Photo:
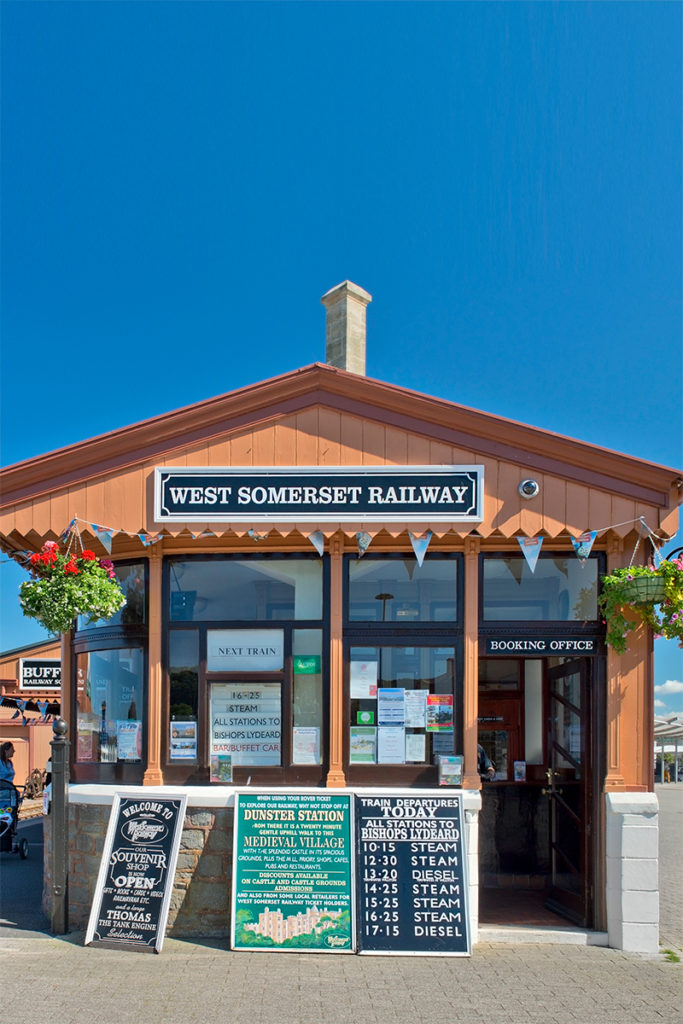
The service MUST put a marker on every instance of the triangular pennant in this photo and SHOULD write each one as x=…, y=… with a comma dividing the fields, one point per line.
x=420, y=545
x=317, y=540
x=583, y=544
x=363, y=540
x=67, y=531
x=16, y=714
x=42, y=706
x=105, y=538
x=531, y=546
x=257, y=536
x=205, y=533
x=21, y=704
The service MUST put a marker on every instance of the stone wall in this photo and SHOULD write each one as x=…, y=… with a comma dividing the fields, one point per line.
x=200, y=901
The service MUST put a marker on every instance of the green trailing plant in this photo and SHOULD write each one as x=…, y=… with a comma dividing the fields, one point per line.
x=67, y=585
x=658, y=604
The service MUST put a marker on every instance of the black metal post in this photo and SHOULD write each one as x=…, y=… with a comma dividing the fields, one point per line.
x=59, y=904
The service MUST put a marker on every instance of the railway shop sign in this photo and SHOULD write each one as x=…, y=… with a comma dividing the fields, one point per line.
x=135, y=880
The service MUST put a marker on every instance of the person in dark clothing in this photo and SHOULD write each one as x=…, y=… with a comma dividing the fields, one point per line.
x=484, y=764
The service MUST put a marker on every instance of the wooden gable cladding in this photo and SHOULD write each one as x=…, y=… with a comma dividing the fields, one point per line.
x=322, y=416
x=318, y=436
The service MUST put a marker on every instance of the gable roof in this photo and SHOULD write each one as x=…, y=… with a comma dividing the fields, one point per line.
x=322, y=385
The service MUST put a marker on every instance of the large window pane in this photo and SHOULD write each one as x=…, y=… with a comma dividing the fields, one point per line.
x=308, y=696
x=183, y=670
x=399, y=590
x=134, y=612
x=259, y=589
x=560, y=589
x=109, y=705
x=402, y=702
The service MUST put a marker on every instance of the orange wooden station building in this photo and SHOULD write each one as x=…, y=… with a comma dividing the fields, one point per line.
x=294, y=551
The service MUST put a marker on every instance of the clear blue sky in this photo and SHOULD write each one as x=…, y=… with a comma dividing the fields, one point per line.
x=182, y=181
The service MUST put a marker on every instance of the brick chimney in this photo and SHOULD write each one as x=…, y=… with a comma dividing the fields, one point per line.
x=345, y=326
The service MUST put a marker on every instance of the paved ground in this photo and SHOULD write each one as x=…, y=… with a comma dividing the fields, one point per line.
x=670, y=798
x=49, y=980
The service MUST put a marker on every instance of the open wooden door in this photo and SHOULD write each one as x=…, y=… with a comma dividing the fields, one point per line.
x=569, y=777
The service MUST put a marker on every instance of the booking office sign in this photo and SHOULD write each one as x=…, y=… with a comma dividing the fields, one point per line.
x=135, y=880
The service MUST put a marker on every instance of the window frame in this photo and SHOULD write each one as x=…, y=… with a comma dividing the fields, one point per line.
x=198, y=771
x=421, y=634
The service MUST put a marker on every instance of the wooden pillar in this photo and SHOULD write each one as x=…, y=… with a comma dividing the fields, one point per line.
x=470, y=707
x=614, y=778
x=335, y=775
x=153, y=775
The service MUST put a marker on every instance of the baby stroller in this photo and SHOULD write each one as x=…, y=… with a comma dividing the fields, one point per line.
x=10, y=802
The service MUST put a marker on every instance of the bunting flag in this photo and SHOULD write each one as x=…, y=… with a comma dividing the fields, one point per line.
x=207, y=533
x=30, y=705
x=65, y=533
x=318, y=541
x=257, y=536
x=420, y=545
x=583, y=544
x=104, y=536
x=531, y=546
x=363, y=541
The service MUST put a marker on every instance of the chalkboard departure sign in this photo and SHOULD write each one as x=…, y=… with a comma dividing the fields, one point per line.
x=136, y=874
x=411, y=875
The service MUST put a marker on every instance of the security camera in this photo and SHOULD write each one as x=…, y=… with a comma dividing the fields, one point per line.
x=529, y=488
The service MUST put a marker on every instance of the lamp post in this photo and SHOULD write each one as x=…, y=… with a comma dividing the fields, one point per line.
x=384, y=598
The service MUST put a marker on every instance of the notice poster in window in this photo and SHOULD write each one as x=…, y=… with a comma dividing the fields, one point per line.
x=391, y=744
x=416, y=709
x=84, y=743
x=363, y=744
x=519, y=769
x=450, y=770
x=363, y=680
x=391, y=708
x=221, y=768
x=415, y=746
x=245, y=722
x=306, y=745
x=440, y=712
x=183, y=741
x=442, y=742
x=129, y=740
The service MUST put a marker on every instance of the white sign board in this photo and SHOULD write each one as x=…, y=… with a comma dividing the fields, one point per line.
x=246, y=722
x=245, y=650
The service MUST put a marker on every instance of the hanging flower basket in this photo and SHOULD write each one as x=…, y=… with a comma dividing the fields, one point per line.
x=67, y=585
x=654, y=596
x=645, y=589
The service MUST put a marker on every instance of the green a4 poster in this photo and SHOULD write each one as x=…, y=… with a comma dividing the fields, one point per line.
x=292, y=878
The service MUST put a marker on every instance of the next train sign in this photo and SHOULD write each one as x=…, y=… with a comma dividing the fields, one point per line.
x=319, y=494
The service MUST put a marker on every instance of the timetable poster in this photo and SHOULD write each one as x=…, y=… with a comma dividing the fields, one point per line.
x=411, y=875
x=292, y=873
